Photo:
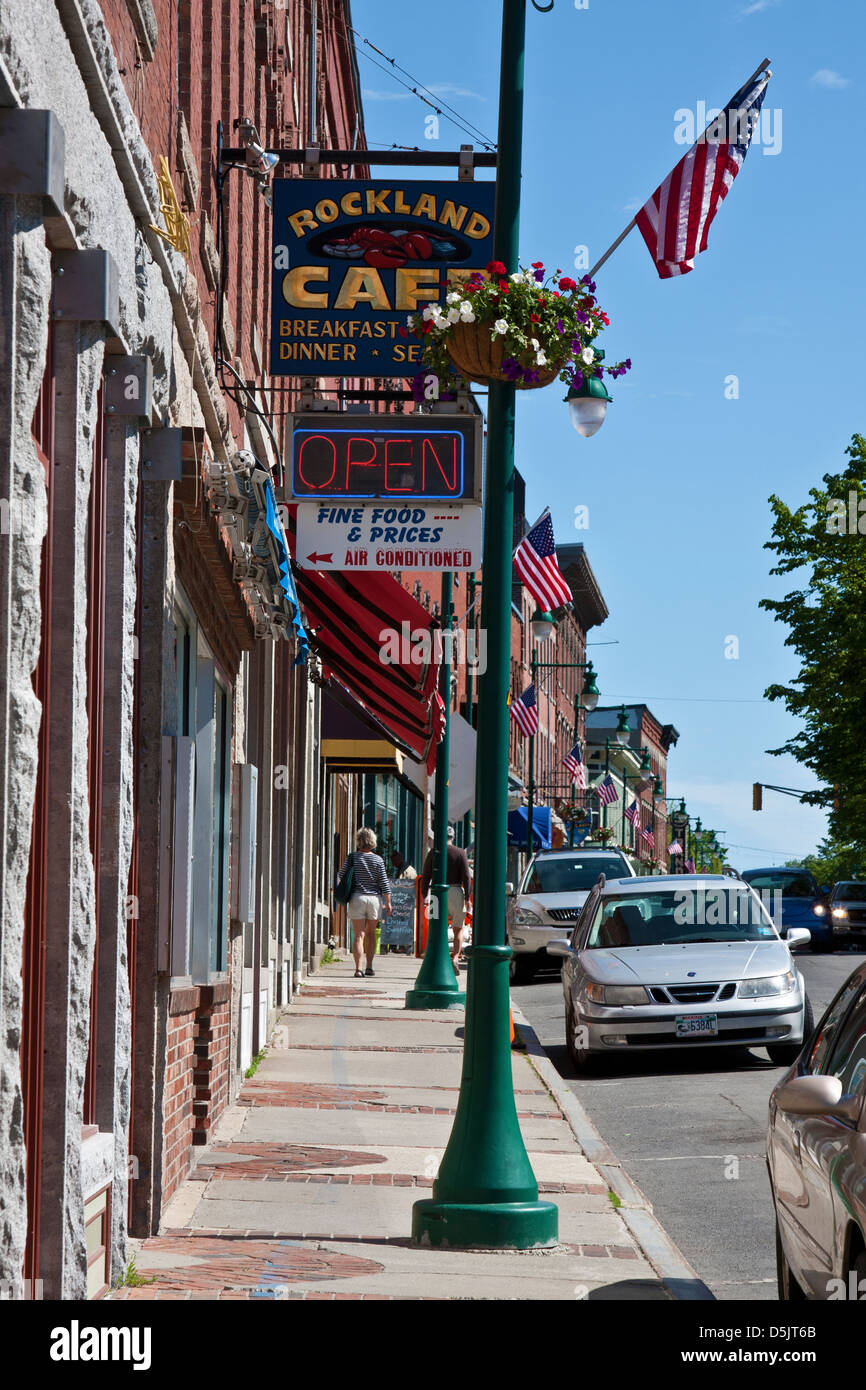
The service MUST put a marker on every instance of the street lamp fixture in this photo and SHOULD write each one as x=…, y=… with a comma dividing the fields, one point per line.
x=646, y=768
x=543, y=626
x=623, y=728
x=698, y=832
x=590, y=688
x=588, y=404
x=658, y=790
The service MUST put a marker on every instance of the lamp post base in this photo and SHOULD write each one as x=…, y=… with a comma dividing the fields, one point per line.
x=435, y=999
x=490, y=1225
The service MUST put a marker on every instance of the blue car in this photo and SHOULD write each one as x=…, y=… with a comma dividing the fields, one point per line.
x=803, y=903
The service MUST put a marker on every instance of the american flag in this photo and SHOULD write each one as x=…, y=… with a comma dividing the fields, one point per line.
x=646, y=834
x=575, y=764
x=689, y=866
x=525, y=711
x=535, y=562
x=675, y=222
x=633, y=813
x=675, y=847
x=607, y=792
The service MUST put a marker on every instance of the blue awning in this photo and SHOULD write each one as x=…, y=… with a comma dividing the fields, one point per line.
x=541, y=827
x=287, y=583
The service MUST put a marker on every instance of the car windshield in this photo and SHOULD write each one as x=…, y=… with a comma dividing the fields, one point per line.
x=679, y=916
x=850, y=893
x=570, y=874
x=789, y=885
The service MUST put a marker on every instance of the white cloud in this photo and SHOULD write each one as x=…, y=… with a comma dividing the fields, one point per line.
x=757, y=6
x=826, y=77
x=369, y=95
x=451, y=89
x=634, y=205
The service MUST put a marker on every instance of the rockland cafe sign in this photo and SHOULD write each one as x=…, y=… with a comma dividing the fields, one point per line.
x=352, y=259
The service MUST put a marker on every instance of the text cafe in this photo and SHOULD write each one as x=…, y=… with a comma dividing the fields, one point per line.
x=352, y=259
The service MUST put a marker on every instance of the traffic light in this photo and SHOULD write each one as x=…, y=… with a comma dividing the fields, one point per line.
x=757, y=793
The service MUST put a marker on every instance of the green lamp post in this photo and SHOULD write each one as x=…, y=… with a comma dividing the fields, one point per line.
x=436, y=985
x=485, y=1193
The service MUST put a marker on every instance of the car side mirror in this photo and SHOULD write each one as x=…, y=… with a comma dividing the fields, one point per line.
x=825, y=889
x=509, y=890
x=798, y=936
x=560, y=948
x=817, y=1095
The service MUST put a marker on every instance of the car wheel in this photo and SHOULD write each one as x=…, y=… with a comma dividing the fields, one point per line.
x=788, y=1288
x=859, y=1267
x=783, y=1054
x=521, y=969
x=581, y=1058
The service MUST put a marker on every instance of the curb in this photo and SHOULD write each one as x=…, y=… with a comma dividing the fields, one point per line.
x=667, y=1260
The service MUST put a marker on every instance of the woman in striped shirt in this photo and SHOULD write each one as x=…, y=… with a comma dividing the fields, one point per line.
x=369, y=889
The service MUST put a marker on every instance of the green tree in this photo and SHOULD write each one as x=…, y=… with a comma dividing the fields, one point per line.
x=826, y=619
x=832, y=862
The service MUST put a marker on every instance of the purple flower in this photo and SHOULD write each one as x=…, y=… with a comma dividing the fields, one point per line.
x=577, y=380
x=581, y=316
x=530, y=376
x=590, y=284
x=576, y=345
x=599, y=371
x=539, y=275
x=416, y=386
x=511, y=367
x=627, y=364
x=560, y=326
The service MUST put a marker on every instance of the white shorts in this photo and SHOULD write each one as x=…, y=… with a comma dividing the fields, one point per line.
x=456, y=906
x=363, y=907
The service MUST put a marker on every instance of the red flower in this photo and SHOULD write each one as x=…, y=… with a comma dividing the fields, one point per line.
x=538, y=265
x=605, y=320
x=503, y=285
x=403, y=332
x=556, y=294
x=533, y=318
x=427, y=326
x=566, y=283
x=496, y=268
x=543, y=302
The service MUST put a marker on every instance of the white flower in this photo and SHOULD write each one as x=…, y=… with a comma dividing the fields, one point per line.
x=541, y=358
x=535, y=343
x=410, y=319
x=453, y=314
x=587, y=356
x=429, y=312
x=518, y=277
x=500, y=326
x=452, y=297
x=467, y=313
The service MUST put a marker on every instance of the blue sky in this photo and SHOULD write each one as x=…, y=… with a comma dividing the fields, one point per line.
x=677, y=480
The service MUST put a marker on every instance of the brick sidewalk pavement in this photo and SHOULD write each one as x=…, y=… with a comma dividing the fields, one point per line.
x=307, y=1185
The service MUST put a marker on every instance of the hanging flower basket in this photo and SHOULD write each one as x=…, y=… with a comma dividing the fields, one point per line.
x=478, y=357
x=526, y=329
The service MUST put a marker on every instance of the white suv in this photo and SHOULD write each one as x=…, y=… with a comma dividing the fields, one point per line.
x=549, y=898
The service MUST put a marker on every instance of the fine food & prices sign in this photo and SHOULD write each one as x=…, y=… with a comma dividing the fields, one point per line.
x=388, y=536
x=353, y=258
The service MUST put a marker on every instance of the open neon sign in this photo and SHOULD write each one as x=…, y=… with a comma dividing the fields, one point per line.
x=413, y=458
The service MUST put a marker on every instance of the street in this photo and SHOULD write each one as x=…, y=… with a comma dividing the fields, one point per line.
x=690, y=1131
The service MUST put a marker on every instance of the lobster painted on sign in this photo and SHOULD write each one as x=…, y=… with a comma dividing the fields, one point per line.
x=388, y=250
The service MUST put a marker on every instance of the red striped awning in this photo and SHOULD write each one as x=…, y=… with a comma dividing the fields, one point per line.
x=364, y=629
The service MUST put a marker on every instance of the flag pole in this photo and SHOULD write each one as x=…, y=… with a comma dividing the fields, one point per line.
x=633, y=223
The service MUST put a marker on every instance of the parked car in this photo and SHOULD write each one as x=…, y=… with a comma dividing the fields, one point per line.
x=846, y=913
x=816, y=1156
x=678, y=960
x=554, y=887
x=803, y=903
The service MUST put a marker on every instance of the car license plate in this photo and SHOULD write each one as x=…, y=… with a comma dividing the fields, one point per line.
x=688, y=1025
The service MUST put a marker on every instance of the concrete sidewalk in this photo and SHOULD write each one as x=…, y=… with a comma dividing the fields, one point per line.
x=306, y=1188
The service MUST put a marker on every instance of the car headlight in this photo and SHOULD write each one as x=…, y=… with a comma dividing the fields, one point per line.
x=768, y=985
x=615, y=996
x=523, y=917
x=839, y=912
x=819, y=910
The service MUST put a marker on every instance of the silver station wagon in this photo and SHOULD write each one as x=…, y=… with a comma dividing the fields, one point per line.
x=678, y=960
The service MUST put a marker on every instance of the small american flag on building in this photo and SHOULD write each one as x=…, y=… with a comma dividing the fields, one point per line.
x=535, y=562
x=524, y=711
x=675, y=221
x=646, y=834
x=675, y=847
x=575, y=764
x=607, y=791
x=689, y=866
x=633, y=813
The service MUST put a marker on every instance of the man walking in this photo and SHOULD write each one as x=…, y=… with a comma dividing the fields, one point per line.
x=459, y=882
